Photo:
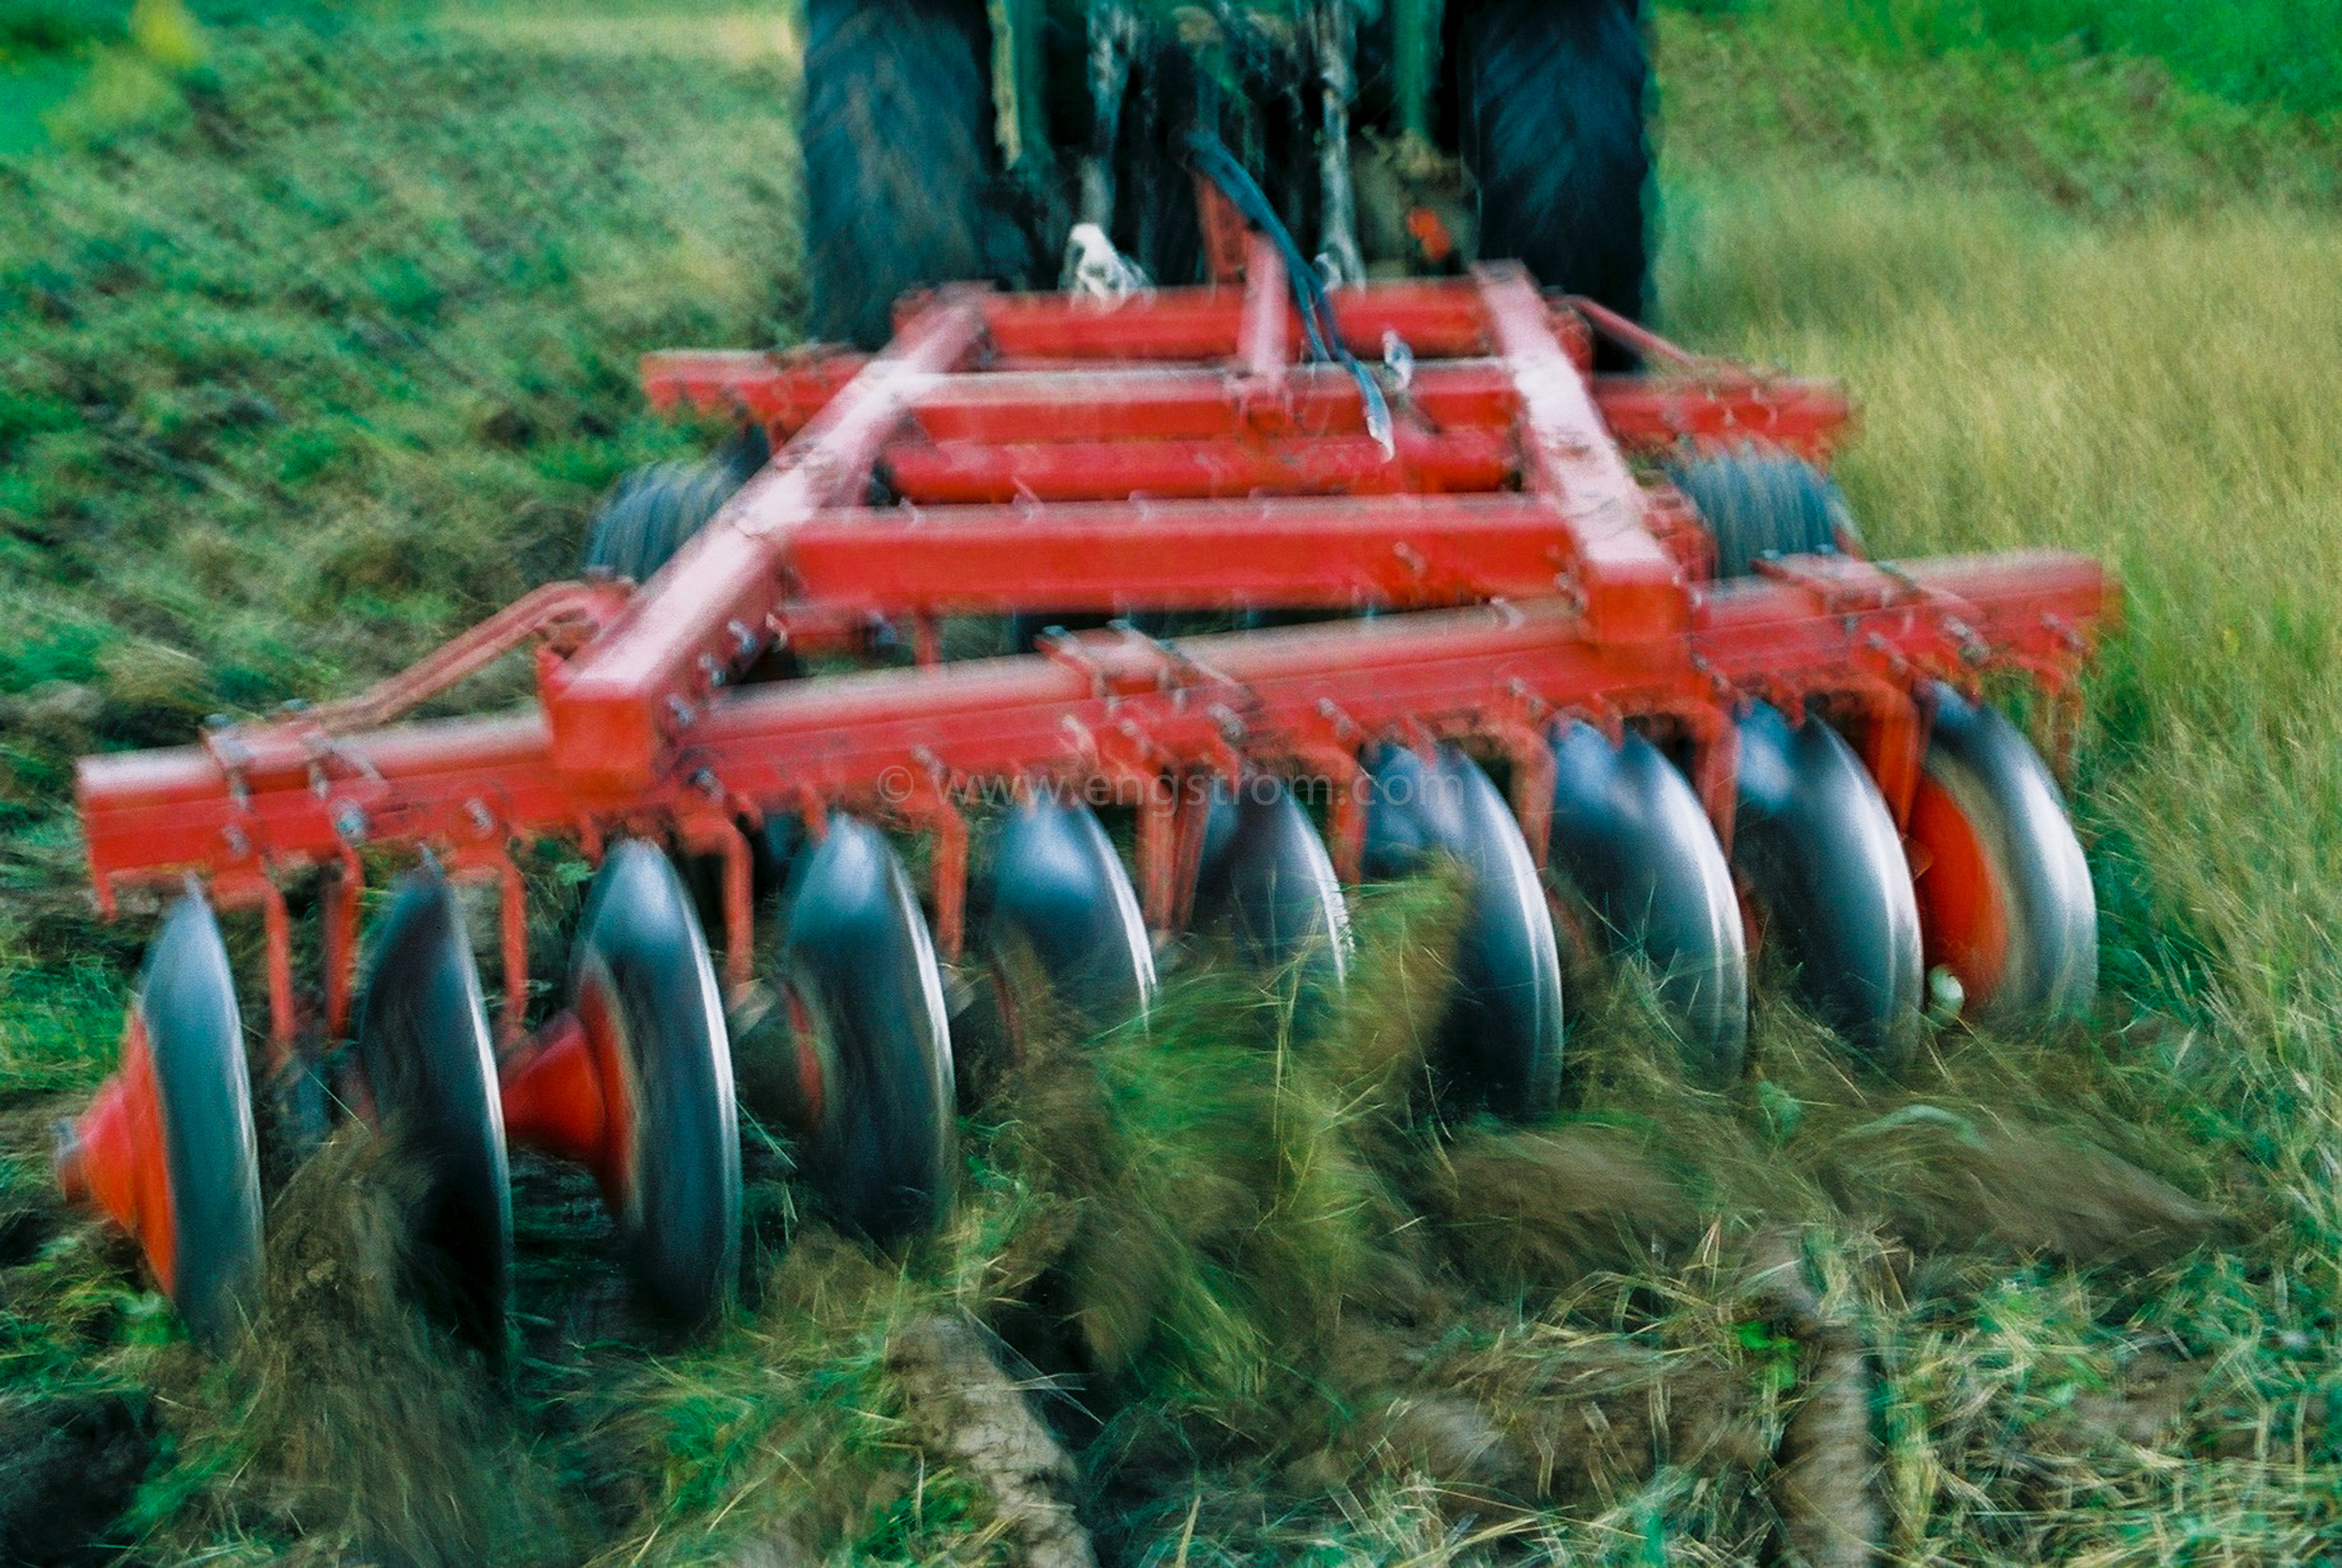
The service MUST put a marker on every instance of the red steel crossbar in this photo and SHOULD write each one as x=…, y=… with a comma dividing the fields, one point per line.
x=1402, y=552
x=783, y=394
x=156, y=815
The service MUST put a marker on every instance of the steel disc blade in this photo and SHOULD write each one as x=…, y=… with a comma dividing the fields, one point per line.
x=874, y=1048
x=1264, y=877
x=1502, y=1041
x=2004, y=892
x=1629, y=837
x=194, y=1033
x=1820, y=850
x=1060, y=891
x=640, y=982
x=429, y=1064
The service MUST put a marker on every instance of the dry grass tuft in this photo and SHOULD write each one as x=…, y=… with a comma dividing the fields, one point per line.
x=1941, y=1182
x=1582, y=1416
x=345, y=1423
x=1540, y=1210
x=1223, y=1171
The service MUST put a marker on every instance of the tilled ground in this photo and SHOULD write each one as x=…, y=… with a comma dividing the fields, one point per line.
x=1220, y=1294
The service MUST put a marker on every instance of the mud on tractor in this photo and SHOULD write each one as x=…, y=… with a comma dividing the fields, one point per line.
x=1325, y=544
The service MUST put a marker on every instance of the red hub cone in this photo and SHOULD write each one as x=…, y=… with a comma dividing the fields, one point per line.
x=2004, y=893
x=167, y=1149
x=635, y=1082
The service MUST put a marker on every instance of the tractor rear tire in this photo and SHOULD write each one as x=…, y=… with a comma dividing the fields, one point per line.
x=900, y=172
x=1549, y=99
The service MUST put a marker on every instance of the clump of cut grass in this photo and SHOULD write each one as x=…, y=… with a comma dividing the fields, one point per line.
x=1537, y=1210
x=857, y=1414
x=1941, y=1182
x=344, y=1421
x=1225, y=1208
x=716, y=1436
x=1581, y=1413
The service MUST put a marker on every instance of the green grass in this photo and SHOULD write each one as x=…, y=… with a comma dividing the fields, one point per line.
x=300, y=378
x=2283, y=53
x=2104, y=133
x=327, y=351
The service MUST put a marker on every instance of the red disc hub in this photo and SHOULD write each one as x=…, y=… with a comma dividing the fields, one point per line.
x=1964, y=900
x=115, y=1157
x=572, y=1096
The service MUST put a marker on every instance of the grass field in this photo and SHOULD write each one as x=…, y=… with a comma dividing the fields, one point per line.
x=316, y=342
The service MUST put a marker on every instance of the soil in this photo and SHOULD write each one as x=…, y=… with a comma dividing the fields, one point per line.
x=67, y=1468
x=971, y=1414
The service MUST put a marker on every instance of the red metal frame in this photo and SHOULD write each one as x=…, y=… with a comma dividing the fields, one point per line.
x=1162, y=452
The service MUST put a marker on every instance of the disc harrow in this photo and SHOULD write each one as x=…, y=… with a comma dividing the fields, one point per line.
x=1514, y=654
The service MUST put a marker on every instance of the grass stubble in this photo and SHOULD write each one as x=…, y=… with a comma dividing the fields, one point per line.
x=2069, y=1297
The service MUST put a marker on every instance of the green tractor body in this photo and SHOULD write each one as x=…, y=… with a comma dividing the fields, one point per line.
x=970, y=138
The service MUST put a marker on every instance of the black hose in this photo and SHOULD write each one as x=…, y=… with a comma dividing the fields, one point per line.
x=1219, y=166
